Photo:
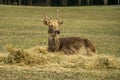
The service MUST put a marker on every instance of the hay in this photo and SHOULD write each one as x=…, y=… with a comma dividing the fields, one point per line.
x=2, y=56
x=103, y=62
x=37, y=50
x=19, y=56
x=40, y=57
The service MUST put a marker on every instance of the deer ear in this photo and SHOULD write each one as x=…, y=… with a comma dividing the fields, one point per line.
x=45, y=22
x=60, y=22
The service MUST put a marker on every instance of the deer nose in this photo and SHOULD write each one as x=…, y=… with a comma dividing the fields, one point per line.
x=57, y=32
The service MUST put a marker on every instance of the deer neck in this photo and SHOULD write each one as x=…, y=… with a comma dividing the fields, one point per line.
x=53, y=43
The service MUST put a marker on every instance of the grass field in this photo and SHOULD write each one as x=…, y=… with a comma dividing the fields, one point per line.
x=22, y=26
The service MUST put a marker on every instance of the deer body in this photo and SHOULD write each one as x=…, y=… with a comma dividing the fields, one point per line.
x=68, y=45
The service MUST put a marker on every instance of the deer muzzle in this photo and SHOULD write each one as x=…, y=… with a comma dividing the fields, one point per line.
x=57, y=32
x=53, y=31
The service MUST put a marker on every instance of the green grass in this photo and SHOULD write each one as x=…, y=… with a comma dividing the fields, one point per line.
x=27, y=73
x=22, y=26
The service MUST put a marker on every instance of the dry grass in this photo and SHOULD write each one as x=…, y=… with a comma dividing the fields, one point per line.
x=22, y=57
x=36, y=63
x=38, y=56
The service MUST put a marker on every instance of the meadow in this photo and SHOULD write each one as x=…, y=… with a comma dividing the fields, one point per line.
x=22, y=32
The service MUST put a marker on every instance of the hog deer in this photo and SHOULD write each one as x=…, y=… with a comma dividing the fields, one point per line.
x=68, y=45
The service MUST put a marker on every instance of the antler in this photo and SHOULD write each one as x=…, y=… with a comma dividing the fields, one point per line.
x=58, y=10
x=44, y=14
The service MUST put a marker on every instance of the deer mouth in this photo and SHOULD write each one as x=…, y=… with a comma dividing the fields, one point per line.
x=54, y=32
x=57, y=32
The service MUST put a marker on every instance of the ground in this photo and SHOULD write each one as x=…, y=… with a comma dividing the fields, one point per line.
x=22, y=26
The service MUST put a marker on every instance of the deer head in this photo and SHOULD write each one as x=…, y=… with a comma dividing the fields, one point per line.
x=53, y=24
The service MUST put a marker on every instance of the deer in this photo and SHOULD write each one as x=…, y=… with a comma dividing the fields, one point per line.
x=67, y=45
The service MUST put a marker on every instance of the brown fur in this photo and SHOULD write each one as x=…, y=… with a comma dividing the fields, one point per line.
x=68, y=45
